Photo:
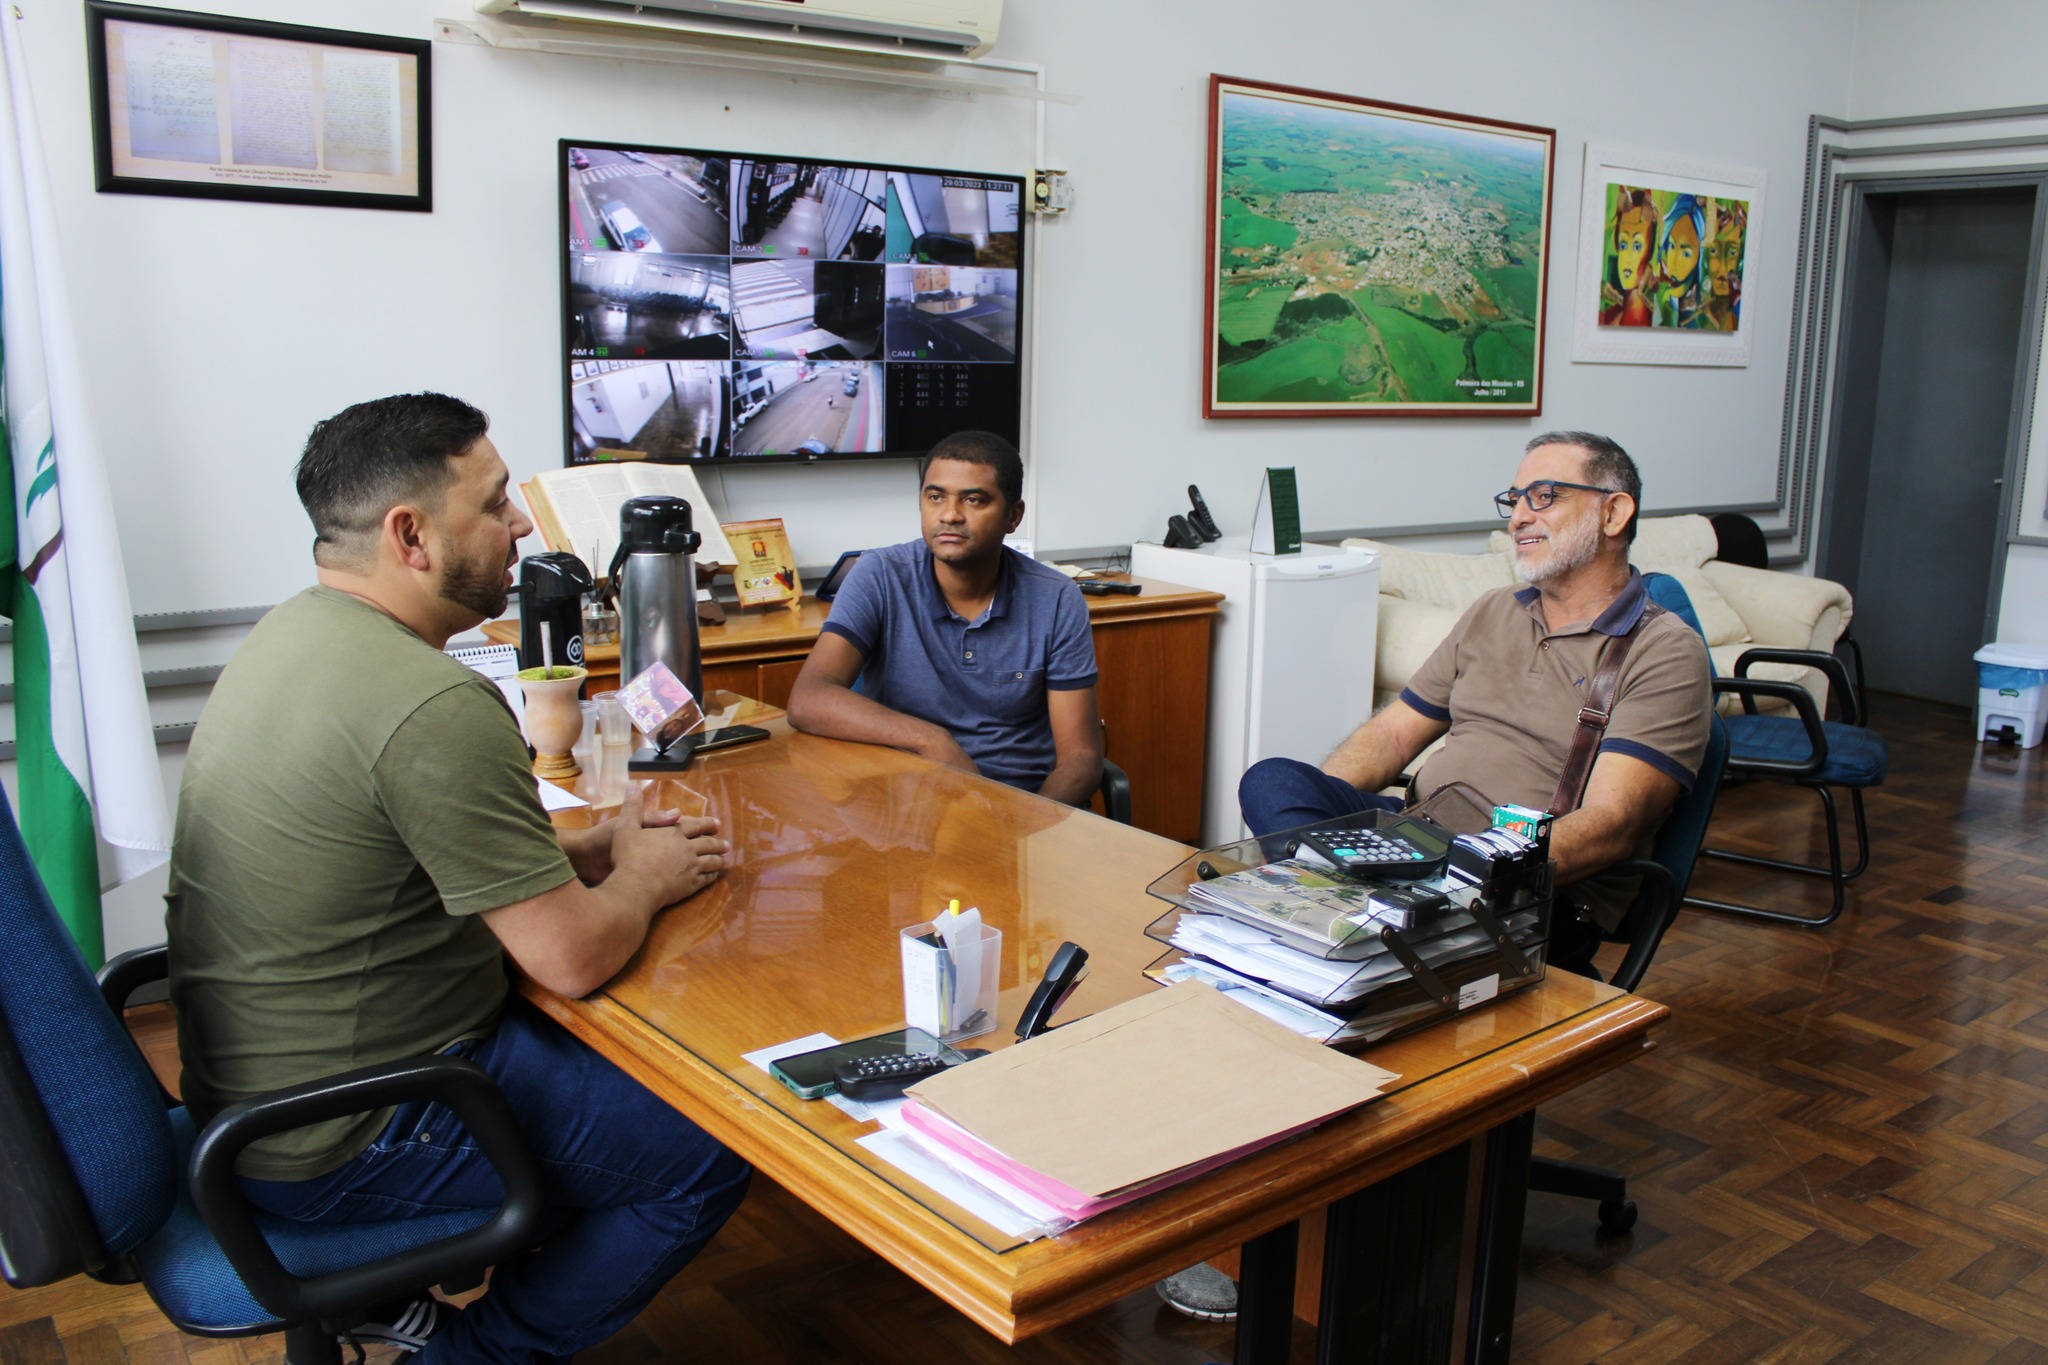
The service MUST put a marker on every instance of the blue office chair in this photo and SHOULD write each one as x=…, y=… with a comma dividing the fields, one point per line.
x=1665, y=875
x=1801, y=748
x=93, y=1160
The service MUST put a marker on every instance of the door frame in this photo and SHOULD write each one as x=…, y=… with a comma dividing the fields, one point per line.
x=1858, y=189
x=1839, y=152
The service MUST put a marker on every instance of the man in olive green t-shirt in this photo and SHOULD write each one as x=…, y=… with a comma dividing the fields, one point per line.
x=359, y=849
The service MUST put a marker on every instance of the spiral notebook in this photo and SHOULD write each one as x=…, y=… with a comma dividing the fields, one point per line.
x=499, y=663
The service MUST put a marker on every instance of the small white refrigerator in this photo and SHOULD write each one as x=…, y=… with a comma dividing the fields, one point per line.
x=1291, y=667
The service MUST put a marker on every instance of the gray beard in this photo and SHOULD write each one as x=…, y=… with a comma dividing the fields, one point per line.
x=1573, y=549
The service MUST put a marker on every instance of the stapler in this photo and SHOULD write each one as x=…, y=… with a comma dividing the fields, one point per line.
x=1069, y=966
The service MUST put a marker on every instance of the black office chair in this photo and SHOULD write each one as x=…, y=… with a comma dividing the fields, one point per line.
x=1116, y=792
x=1740, y=540
x=94, y=1160
x=1665, y=873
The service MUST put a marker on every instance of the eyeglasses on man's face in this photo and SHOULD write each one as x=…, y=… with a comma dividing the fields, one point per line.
x=1540, y=493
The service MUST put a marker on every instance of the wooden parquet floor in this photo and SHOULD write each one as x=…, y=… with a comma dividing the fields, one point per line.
x=1840, y=1147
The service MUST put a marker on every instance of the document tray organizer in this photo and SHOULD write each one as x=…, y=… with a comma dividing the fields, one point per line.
x=1363, y=983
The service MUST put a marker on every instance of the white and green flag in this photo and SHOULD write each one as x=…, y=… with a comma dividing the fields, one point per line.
x=85, y=751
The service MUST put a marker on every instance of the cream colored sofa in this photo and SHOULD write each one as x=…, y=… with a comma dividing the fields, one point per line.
x=1422, y=595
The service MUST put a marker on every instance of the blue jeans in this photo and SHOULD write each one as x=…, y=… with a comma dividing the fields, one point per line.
x=1285, y=793
x=634, y=1191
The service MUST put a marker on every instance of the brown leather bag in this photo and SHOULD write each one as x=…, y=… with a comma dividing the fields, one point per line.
x=1594, y=715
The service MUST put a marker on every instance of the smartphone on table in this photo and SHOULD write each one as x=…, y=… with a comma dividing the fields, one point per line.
x=809, y=1074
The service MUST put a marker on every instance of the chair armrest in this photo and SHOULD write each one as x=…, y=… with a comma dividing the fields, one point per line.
x=1652, y=912
x=131, y=971
x=119, y=981
x=464, y=1087
x=1837, y=673
x=1116, y=792
x=1809, y=716
x=1783, y=608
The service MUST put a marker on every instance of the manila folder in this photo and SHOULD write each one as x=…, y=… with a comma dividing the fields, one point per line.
x=1147, y=1087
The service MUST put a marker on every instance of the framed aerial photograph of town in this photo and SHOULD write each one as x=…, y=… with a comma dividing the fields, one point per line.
x=1667, y=259
x=1372, y=259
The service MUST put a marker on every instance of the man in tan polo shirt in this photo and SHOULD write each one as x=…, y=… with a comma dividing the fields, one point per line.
x=1506, y=686
x=1504, y=690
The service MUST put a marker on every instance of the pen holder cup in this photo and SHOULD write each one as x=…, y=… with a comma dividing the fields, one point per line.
x=951, y=993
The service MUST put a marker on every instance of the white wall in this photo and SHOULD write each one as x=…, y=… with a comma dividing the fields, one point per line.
x=222, y=330
x=218, y=332
x=1912, y=58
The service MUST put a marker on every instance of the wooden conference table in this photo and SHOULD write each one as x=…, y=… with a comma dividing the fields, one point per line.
x=837, y=846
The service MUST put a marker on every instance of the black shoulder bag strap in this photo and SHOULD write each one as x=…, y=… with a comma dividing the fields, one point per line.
x=1593, y=716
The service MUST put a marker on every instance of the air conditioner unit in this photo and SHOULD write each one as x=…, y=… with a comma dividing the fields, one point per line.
x=955, y=30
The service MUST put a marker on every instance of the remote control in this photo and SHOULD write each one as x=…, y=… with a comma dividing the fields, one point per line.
x=1404, y=850
x=885, y=1078
x=1099, y=587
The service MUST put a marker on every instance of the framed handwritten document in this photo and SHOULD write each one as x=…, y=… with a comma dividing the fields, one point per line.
x=213, y=107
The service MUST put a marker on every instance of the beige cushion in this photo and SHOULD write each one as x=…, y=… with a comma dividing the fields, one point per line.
x=1437, y=580
x=1785, y=609
x=1721, y=622
x=1409, y=633
x=1669, y=544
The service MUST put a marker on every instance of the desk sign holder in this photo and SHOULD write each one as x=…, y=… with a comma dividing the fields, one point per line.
x=1276, y=521
x=662, y=708
x=677, y=755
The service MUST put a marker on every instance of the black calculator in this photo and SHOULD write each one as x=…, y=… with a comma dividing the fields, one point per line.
x=1405, y=850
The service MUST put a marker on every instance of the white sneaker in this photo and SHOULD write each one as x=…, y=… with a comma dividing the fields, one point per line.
x=1201, y=1291
x=406, y=1325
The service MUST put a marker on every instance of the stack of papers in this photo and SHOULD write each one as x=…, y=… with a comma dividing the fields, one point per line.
x=1361, y=994
x=1252, y=953
x=1119, y=1105
x=1324, y=908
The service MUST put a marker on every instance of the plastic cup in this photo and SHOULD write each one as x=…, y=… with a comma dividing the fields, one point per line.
x=612, y=722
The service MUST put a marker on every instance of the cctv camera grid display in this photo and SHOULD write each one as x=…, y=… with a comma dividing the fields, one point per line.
x=727, y=307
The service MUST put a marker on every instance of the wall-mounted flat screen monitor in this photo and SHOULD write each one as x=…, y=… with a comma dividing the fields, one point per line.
x=727, y=307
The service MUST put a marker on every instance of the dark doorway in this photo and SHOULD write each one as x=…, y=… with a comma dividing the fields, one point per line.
x=1935, y=306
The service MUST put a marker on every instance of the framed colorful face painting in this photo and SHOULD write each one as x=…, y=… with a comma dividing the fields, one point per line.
x=1667, y=260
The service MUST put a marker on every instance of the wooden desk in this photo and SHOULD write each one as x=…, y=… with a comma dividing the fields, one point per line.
x=837, y=846
x=1152, y=656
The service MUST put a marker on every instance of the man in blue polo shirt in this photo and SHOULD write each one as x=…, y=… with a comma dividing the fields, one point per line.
x=962, y=650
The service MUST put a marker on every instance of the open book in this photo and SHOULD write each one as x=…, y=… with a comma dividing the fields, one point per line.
x=577, y=509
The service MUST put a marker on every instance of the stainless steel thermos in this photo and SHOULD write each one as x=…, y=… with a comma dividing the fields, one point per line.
x=656, y=582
